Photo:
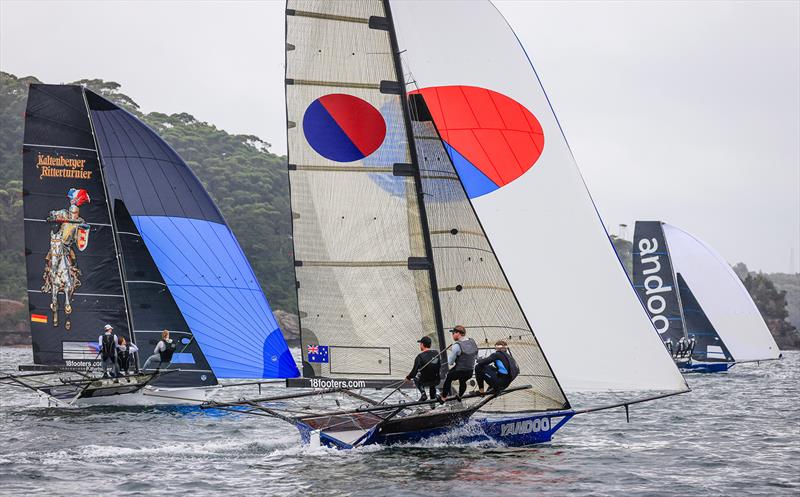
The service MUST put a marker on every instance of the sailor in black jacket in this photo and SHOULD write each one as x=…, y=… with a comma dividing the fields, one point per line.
x=498, y=369
x=426, y=369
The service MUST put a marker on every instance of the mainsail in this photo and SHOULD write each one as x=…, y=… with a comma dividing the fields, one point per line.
x=387, y=245
x=74, y=280
x=364, y=281
x=506, y=145
x=669, y=301
x=721, y=296
x=654, y=280
x=161, y=242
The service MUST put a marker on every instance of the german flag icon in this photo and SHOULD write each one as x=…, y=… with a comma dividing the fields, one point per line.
x=38, y=318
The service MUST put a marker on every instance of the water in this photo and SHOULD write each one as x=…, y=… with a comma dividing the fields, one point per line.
x=736, y=433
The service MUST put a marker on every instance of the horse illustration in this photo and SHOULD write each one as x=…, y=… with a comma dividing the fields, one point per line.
x=60, y=275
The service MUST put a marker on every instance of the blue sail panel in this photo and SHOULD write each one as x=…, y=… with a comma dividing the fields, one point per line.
x=208, y=291
x=219, y=296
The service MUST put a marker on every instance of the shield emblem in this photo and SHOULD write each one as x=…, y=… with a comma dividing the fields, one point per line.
x=82, y=238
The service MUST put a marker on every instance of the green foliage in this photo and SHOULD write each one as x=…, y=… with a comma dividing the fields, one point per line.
x=248, y=183
x=624, y=250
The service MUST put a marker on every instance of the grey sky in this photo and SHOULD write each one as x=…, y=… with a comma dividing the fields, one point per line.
x=684, y=112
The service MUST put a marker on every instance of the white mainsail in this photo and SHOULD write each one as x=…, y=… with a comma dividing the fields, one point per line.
x=723, y=297
x=541, y=222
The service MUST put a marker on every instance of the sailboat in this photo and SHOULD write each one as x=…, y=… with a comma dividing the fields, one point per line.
x=696, y=301
x=119, y=231
x=415, y=186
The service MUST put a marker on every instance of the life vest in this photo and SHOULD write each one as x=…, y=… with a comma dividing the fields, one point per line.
x=168, y=352
x=469, y=353
x=123, y=356
x=108, y=346
x=510, y=363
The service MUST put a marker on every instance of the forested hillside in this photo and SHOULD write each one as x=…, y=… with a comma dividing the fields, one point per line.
x=248, y=183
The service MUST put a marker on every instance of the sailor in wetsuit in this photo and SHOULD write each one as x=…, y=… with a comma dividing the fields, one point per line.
x=125, y=355
x=497, y=369
x=107, y=345
x=162, y=354
x=461, y=357
x=425, y=372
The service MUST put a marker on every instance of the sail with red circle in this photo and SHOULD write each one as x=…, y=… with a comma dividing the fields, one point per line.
x=491, y=138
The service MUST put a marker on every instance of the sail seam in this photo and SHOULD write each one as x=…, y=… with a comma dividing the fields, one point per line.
x=57, y=146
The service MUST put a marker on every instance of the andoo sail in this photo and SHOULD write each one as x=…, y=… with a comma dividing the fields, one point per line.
x=717, y=316
x=118, y=230
x=389, y=245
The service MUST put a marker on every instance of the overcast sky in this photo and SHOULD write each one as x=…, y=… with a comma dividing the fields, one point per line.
x=683, y=112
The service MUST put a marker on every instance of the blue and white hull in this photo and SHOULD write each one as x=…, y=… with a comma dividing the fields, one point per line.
x=514, y=431
x=705, y=367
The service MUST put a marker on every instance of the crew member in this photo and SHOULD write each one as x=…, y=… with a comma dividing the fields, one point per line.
x=107, y=345
x=426, y=369
x=125, y=354
x=498, y=369
x=461, y=359
x=162, y=354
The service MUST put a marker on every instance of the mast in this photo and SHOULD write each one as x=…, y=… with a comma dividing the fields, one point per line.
x=675, y=279
x=112, y=218
x=417, y=179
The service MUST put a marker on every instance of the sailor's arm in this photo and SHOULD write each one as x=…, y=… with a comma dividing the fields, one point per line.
x=488, y=359
x=453, y=353
x=414, y=370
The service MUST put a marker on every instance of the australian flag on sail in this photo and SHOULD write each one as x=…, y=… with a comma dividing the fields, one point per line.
x=318, y=353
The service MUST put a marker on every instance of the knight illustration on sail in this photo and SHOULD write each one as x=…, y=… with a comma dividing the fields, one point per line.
x=61, y=272
x=699, y=307
x=161, y=257
x=422, y=191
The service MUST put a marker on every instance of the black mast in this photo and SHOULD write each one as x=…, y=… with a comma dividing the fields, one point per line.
x=398, y=66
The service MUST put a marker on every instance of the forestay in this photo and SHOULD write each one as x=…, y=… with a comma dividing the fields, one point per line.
x=516, y=166
x=722, y=296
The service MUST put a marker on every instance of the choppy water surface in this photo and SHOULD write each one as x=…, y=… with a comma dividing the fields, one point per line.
x=735, y=433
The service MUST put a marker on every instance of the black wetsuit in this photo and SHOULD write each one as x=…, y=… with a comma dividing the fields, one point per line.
x=486, y=370
x=425, y=373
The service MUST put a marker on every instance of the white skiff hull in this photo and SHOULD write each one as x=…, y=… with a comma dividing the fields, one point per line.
x=147, y=396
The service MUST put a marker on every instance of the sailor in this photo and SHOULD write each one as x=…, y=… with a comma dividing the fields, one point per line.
x=425, y=372
x=498, y=369
x=162, y=354
x=681, y=346
x=461, y=357
x=125, y=353
x=108, y=351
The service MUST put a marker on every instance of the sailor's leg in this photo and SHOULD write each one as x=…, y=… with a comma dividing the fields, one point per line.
x=490, y=375
x=448, y=381
x=479, y=372
x=105, y=368
x=462, y=382
x=421, y=388
x=432, y=391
